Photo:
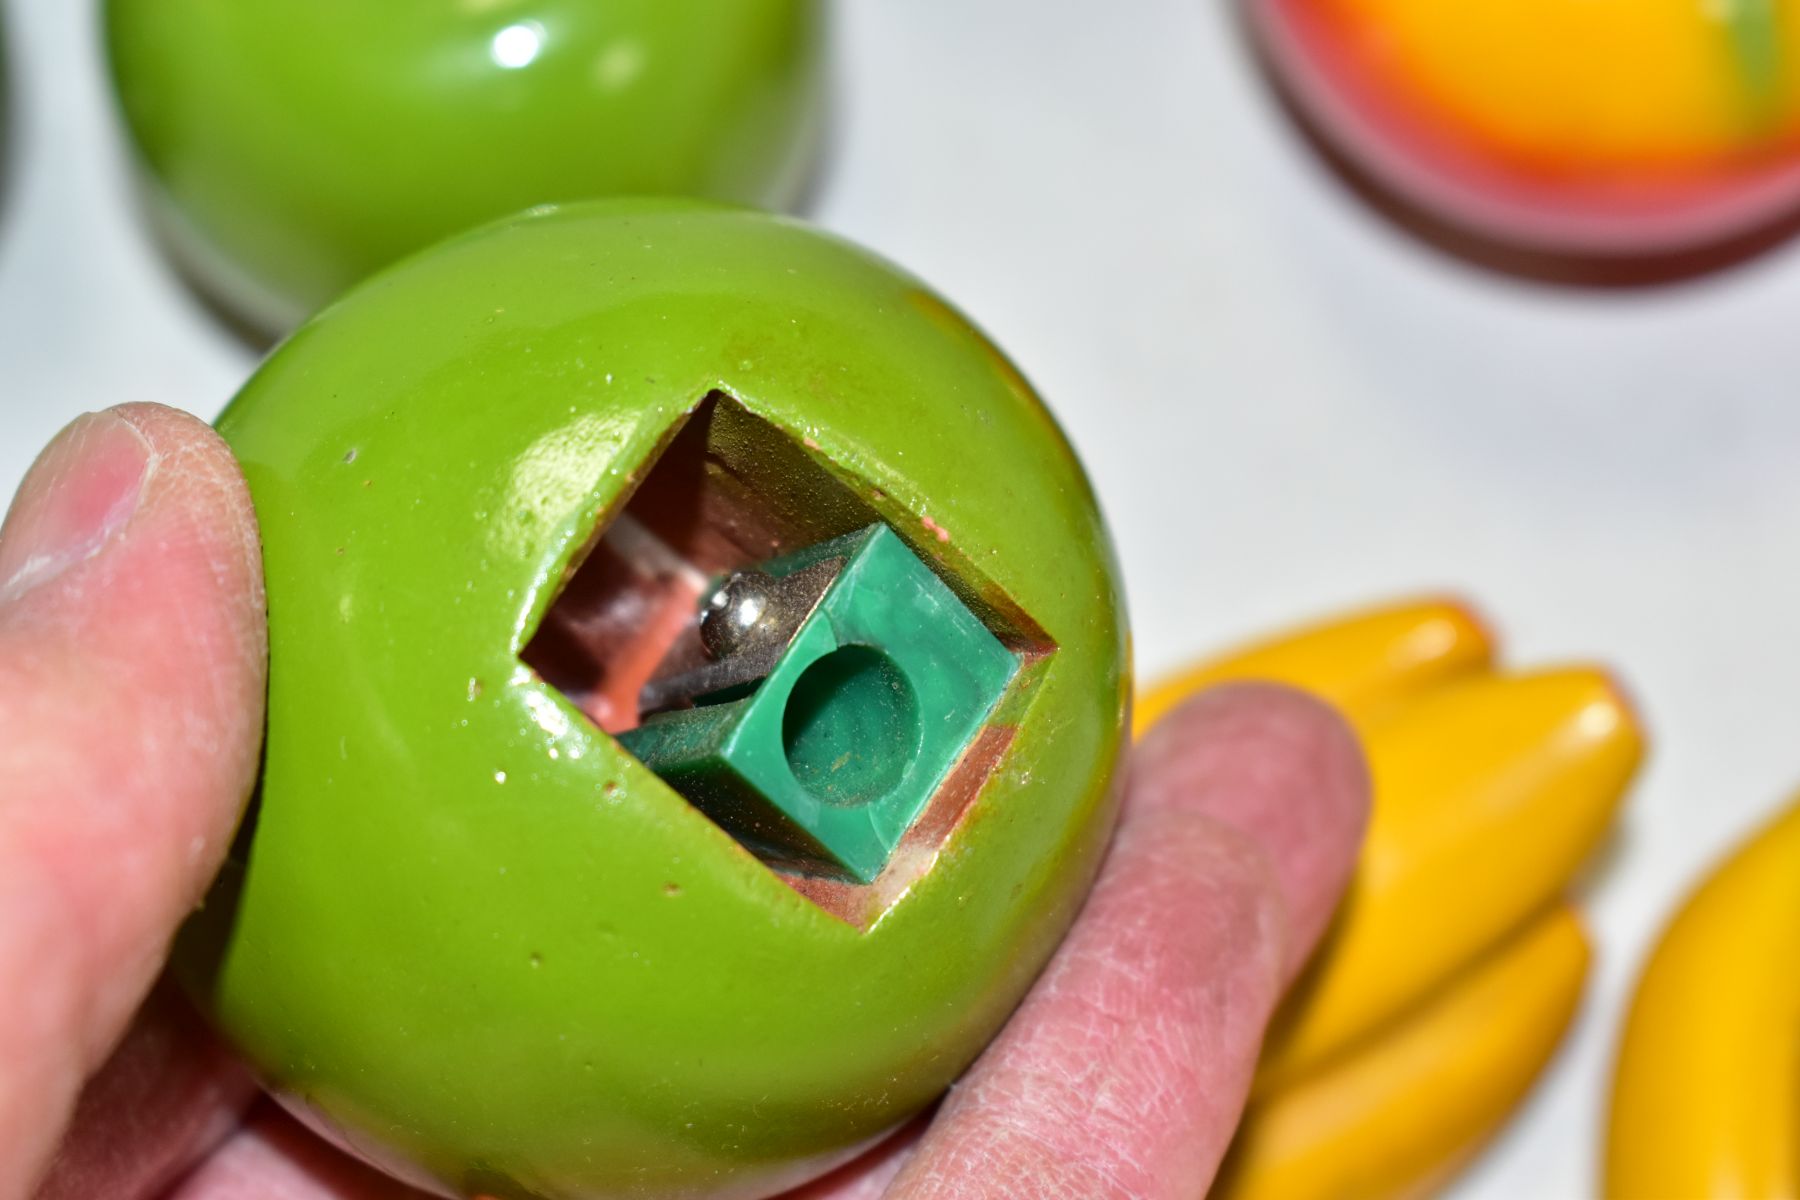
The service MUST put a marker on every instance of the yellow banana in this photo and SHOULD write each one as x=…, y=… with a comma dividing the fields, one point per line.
x=1396, y=1117
x=1445, y=984
x=1489, y=794
x=1706, y=1099
x=1363, y=663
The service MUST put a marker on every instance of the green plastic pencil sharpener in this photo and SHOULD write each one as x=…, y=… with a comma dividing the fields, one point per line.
x=841, y=685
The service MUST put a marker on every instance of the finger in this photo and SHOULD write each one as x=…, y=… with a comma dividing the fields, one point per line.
x=867, y=1176
x=1230, y=754
x=1125, y=1070
x=132, y=663
x=169, y=1093
x=273, y=1158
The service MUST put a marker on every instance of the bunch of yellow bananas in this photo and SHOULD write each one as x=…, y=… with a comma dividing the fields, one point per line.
x=1455, y=964
x=1706, y=1101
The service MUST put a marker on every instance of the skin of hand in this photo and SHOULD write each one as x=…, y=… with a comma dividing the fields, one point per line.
x=133, y=657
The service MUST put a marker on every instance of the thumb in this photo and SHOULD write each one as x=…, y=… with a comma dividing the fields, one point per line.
x=133, y=658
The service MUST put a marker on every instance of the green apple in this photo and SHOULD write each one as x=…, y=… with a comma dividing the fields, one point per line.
x=295, y=146
x=471, y=936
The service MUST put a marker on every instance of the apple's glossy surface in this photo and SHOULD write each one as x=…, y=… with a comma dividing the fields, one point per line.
x=1594, y=128
x=468, y=934
x=294, y=146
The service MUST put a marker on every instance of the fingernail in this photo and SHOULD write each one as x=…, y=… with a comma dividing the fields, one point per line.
x=77, y=497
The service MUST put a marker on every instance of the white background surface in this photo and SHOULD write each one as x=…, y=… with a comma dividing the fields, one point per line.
x=1288, y=405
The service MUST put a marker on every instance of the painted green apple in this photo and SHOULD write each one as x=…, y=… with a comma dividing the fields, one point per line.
x=472, y=936
x=295, y=146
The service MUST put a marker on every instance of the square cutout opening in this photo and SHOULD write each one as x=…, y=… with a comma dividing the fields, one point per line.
x=781, y=741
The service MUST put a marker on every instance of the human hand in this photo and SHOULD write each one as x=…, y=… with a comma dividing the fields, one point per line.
x=132, y=667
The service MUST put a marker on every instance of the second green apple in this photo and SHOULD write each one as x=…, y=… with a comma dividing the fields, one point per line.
x=295, y=146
